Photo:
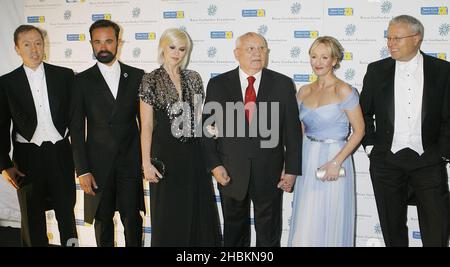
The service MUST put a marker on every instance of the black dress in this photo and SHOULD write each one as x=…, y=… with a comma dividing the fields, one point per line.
x=182, y=205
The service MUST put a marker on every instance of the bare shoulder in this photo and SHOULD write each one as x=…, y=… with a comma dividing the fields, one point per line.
x=343, y=90
x=303, y=92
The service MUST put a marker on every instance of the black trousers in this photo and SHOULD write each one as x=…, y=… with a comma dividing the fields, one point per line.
x=391, y=175
x=49, y=183
x=121, y=193
x=267, y=210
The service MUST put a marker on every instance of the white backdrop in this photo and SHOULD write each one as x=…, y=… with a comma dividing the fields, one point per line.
x=290, y=26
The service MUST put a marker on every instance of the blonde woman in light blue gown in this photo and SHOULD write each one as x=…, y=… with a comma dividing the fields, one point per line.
x=323, y=212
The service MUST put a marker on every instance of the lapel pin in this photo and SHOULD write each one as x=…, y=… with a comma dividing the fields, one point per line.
x=125, y=75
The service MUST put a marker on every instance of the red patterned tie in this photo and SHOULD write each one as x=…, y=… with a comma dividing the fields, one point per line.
x=250, y=99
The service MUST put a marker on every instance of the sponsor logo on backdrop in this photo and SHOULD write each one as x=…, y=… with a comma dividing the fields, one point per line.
x=295, y=8
x=217, y=198
x=147, y=230
x=136, y=52
x=76, y=37
x=262, y=29
x=136, y=12
x=96, y=17
x=36, y=19
x=377, y=229
x=386, y=7
x=221, y=35
x=211, y=52
x=416, y=235
x=306, y=34
x=442, y=56
x=444, y=29
x=214, y=74
x=212, y=10
x=75, y=1
x=346, y=11
x=145, y=36
x=435, y=10
x=347, y=56
x=173, y=14
x=250, y=13
x=68, y=53
x=79, y=222
x=349, y=74
x=295, y=11
x=350, y=29
x=211, y=16
x=295, y=52
x=67, y=15
x=305, y=78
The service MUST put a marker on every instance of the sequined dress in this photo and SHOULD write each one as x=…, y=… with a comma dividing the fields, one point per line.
x=182, y=205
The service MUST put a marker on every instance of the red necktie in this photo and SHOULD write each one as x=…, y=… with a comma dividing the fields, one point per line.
x=250, y=99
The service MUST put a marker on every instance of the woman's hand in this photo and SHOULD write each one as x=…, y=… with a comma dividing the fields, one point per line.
x=331, y=171
x=151, y=174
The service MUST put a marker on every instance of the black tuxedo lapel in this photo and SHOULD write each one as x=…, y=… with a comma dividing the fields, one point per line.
x=427, y=84
x=53, y=94
x=24, y=91
x=234, y=85
x=264, y=87
x=122, y=90
x=388, y=84
x=103, y=86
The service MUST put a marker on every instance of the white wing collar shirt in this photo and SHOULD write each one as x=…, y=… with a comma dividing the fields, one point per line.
x=45, y=129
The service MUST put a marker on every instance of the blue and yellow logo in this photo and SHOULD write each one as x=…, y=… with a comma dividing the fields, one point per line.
x=346, y=11
x=253, y=13
x=145, y=36
x=36, y=19
x=347, y=56
x=442, y=56
x=76, y=37
x=434, y=10
x=173, y=14
x=75, y=1
x=96, y=17
x=306, y=34
x=221, y=35
x=305, y=78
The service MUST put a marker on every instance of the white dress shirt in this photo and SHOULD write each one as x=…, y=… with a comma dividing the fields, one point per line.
x=45, y=129
x=244, y=82
x=111, y=74
x=408, y=94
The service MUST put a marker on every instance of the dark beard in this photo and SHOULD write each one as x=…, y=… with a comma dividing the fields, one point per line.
x=106, y=58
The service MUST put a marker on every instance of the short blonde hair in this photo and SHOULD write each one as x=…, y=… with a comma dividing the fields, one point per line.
x=336, y=49
x=174, y=36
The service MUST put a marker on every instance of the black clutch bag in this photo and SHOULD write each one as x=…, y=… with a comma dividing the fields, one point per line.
x=160, y=167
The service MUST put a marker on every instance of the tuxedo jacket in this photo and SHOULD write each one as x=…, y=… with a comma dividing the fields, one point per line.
x=378, y=106
x=17, y=105
x=243, y=157
x=104, y=130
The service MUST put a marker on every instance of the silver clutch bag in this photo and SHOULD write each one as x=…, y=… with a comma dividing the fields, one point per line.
x=320, y=173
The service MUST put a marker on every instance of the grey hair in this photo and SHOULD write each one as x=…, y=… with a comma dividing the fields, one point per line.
x=415, y=24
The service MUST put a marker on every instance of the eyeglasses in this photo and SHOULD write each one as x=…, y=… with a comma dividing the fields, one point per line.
x=398, y=39
x=251, y=49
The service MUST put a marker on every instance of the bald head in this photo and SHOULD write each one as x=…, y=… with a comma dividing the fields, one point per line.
x=251, y=52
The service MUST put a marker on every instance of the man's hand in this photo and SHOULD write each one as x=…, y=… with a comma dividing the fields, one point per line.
x=13, y=175
x=88, y=184
x=221, y=175
x=287, y=182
